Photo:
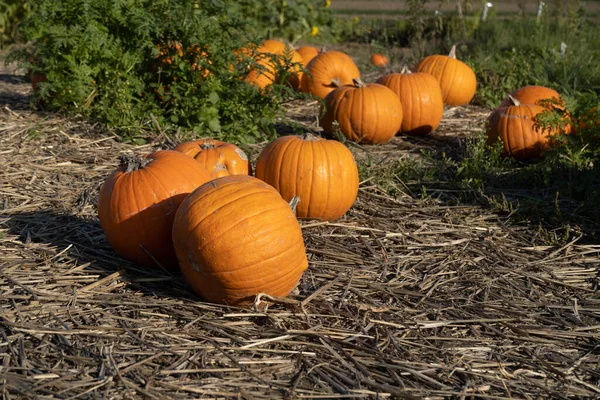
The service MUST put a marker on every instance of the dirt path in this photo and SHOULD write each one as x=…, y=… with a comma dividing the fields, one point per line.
x=404, y=297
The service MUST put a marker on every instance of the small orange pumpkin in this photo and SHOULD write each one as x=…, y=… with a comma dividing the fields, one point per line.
x=137, y=204
x=235, y=237
x=379, y=60
x=366, y=113
x=327, y=71
x=421, y=97
x=321, y=173
x=515, y=127
x=217, y=157
x=457, y=79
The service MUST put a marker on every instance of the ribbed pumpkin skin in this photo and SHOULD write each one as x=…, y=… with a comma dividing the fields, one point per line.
x=457, y=79
x=137, y=208
x=531, y=95
x=421, y=98
x=217, y=157
x=514, y=125
x=326, y=68
x=322, y=173
x=236, y=237
x=368, y=114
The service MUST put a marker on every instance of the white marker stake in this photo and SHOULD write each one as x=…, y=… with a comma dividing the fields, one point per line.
x=486, y=8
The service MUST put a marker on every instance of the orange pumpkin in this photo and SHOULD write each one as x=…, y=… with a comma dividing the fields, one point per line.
x=515, y=127
x=236, y=237
x=271, y=55
x=532, y=94
x=456, y=78
x=217, y=157
x=327, y=71
x=307, y=53
x=366, y=113
x=539, y=95
x=322, y=173
x=421, y=98
x=379, y=60
x=137, y=204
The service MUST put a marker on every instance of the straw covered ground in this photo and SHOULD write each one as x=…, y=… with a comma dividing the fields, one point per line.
x=404, y=297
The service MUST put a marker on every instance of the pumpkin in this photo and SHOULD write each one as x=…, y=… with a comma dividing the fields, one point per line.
x=515, y=126
x=138, y=201
x=379, y=60
x=456, y=78
x=235, y=237
x=421, y=98
x=217, y=157
x=307, y=53
x=532, y=94
x=327, y=71
x=271, y=55
x=539, y=95
x=321, y=173
x=366, y=113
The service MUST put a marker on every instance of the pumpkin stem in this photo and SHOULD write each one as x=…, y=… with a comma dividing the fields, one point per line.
x=358, y=82
x=323, y=49
x=294, y=203
x=310, y=137
x=133, y=163
x=336, y=82
x=208, y=145
x=514, y=101
x=405, y=70
x=452, y=53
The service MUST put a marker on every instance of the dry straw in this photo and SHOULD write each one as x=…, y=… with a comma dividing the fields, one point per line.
x=403, y=298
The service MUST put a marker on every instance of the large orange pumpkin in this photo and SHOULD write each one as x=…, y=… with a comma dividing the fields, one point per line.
x=543, y=96
x=236, y=237
x=322, y=173
x=365, y=113
x=137, y=204
x=515, y=127
x=217, y=157
x=456, y=78
x=532, y=94
x=327, y=71
x=421, y=98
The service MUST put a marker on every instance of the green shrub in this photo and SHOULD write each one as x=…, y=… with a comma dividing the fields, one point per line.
x=12, y=13
x=117, y=61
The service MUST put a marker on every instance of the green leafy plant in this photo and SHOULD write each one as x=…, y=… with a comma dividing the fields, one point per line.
x=143, y=65
x=12, y=12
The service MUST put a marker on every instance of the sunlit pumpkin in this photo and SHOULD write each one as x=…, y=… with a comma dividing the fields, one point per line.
x=367, y=113
x=421, y=97
x=217, y=157
x=456, y=78
x=137, y=204
x=321, y=173
x=235, y=237
x=327, y=71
